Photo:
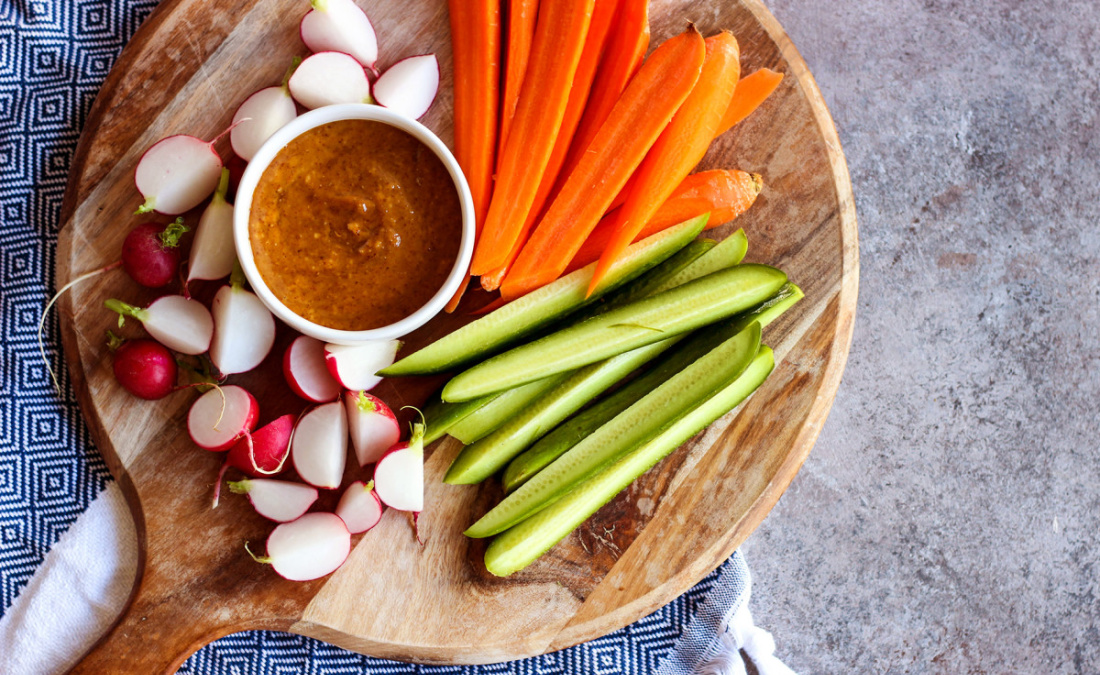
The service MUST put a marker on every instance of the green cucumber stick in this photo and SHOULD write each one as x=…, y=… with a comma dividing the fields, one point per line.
x=440, y=416
x=502, y=407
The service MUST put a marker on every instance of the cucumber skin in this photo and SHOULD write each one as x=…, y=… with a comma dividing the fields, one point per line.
x=731, y=251
x=503, y=406
x=522, y=544
x=521, y=317
x=636, y=425
x=440, y=416
x=679, y=310
x=572, y=431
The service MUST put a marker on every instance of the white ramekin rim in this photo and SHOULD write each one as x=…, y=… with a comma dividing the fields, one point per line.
x=242, y=209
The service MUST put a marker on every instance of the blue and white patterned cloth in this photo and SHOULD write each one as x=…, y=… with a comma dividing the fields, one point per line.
x=66, y=546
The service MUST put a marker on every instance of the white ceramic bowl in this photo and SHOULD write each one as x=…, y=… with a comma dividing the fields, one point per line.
x=243, y=209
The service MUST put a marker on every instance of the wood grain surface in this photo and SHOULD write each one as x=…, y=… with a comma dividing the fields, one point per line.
x=185, y=71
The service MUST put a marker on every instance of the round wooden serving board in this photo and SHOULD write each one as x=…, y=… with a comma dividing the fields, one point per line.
x=185, y=71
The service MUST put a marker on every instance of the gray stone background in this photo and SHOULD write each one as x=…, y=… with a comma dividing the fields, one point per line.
x=947, y=520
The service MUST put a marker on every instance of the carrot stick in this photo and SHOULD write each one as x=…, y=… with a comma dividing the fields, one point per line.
x=602, y=15
x=642, y=113
x=559, y=40
x=681, y=146
x=751, y=91
x=622, y=57
x=725, y=194
x=517, y=49
x=475, y=37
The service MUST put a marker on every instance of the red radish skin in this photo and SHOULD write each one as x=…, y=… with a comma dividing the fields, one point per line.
x=409, y=86
x=354, y=366
x=176, y=174
x=306, y=373
x=221, y=417
x=150, y=253
x=319, y=448
x=213, y=252
x=372, y=425
x=181, y=324
x=244, y=329
x=308, y=548
x=340, y=26
x=329, y=78
x=145, y=368
x=264, y=451
x=278, y=500
x=359, y=507
x=399, y=475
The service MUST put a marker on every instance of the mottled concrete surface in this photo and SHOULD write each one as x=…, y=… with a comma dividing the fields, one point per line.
x=948, y=519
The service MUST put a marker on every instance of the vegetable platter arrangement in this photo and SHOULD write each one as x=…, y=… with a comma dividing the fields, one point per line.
x=604, y=377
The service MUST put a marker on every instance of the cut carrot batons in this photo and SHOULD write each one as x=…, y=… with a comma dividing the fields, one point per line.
x=751, y=91
x=518, y=35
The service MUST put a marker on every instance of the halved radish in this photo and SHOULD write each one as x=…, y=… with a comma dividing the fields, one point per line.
x=213, y=252
x=340, y=26
x=262, y=114
x=359, y=507
x=244, y=329
x=328, y=78
x=409, y=86
x=221, y=416
x=307, y=548
x=399, y=475
x=372, y=424
x=180, y=324
x=278, y=500
x=263, y=452
x=320, y=445
x=306, y=373
x=354, y=366
x=176, y=173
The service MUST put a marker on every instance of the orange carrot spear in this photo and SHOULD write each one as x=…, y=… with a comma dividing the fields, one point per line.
x=517, y=49
x=751, y=91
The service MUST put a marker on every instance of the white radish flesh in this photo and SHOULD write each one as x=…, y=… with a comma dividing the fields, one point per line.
x=354, y=366
x=340, y=26
x=278, y=500
x=213, y=252
x=329, y=78
x=262, y=114
x=176, y=173
x=308, y=548
x=372, y=424
x=306, y=373
x=409, y=86
x=320, y=445
x=359, y=507
x=178, y=323
x=244, y=330
x=399, y=475
x=216, y=423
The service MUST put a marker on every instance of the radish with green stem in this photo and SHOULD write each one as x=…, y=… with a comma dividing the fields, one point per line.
x=262, y=114
x=355, y=366
x=319, y=447
x=328, y=78
x=150, y=253
x=359, y=507
x=244, y=329
x=372, y=424
x=340, y=26
x=409, y=86
x=307, y=548
x=399, y=475
x=176, y=173
x=143, y=367
x=278, y=500
x=213, y=252
x=180, y=324
x=264, y=451
x=221, y=417
x=306, y=372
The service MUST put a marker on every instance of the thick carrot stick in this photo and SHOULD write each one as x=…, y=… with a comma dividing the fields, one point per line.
x=681, y=146
x=475, y=40
x=626, y=47
x=559, y=39
x=724, y=194
x=751, y=91
x=642, y=113
x=602, y=15
x=519, y=33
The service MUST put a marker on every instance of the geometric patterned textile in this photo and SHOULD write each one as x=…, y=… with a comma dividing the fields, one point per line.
x=54, y=56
